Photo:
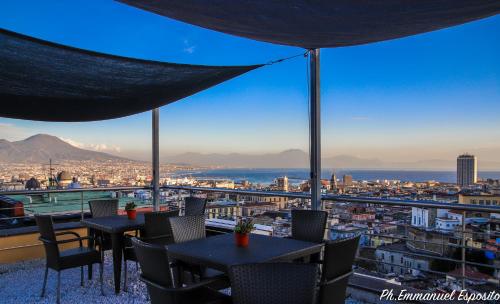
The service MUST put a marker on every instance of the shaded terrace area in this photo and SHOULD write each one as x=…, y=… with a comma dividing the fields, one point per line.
x=187, y=250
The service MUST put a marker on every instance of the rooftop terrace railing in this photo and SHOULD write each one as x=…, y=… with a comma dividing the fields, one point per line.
x=464, y=241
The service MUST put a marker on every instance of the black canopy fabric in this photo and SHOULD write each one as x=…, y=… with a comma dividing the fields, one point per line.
x=322, y=23
x=40, y=80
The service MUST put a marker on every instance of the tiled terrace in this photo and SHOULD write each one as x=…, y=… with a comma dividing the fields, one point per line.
x=22, y=283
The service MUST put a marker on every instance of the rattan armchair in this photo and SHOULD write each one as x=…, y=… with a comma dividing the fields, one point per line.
x=276, y=283
x=190, y=228
x=187, y=228
x=156, y=273
x=336, y=269
x=194, y=206
x=309, y=225
x=101, y=208
x=156, y=231
x=59, y=260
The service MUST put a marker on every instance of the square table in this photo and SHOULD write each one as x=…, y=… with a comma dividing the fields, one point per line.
x=220, y=252
x=116, y=226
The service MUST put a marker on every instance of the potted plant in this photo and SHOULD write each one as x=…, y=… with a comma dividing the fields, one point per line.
x=243, y=227
x=131, y=212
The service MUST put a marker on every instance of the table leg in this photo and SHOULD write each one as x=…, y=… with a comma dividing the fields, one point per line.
x=117, y=243
x=90, y=244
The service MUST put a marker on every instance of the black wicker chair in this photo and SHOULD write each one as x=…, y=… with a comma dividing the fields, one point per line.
x=71, y=258
x=336, y=270
x=157, y=228
x=156, y=273
x=187, y=228
x=276, y=283
x=156, y=231
x=190, y=228
x=194, y=206
x=101, y=208
x=308, y=225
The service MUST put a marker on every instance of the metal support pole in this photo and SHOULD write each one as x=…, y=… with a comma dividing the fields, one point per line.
x=315, y=131
x=81, y=203
x=464, y=244
x=156, y=158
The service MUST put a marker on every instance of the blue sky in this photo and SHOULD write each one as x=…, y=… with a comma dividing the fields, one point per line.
x=428, y=96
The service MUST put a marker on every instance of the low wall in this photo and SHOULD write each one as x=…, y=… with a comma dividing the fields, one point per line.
x=25, y=246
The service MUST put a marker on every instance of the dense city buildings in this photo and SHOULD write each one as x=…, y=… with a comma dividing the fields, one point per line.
x=399, y=244
x=466, y=170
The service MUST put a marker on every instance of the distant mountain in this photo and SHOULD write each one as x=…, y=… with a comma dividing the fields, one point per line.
x=41, y=147
x=285, y=159
x=293, y=158
x=299, y=159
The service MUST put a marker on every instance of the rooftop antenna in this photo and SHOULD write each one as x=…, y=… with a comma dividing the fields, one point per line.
x=53, y=182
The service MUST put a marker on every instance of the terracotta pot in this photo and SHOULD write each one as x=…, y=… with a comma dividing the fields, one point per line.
x=241, y=239
x=131, y=214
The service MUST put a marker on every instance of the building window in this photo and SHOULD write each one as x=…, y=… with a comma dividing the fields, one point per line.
x=392, y=258
x=401, y=260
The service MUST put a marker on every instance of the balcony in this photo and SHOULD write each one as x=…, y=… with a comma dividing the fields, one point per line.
x=394, y=253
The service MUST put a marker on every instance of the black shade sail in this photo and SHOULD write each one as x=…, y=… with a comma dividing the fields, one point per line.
x=40, y=80
x=322, y=23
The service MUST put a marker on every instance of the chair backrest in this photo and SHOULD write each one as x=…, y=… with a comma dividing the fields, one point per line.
x=46, y=229
x=188, y=228
x=155, y=267
x=337, y=261
x=309, y=225
x=277, y=283
x=194, y=206
x=156, y=224
x=100, y=208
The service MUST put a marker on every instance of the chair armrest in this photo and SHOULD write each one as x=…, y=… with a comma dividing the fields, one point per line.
x=68, y=232
x=334, y=280
x=80, y=239
x=146, y=239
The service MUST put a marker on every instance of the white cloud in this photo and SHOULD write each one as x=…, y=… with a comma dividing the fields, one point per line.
x=93, y=147
x=188, y=47
x=10, y=131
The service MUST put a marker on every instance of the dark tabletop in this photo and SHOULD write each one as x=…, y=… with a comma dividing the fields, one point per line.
x=220, y=252
x=114, y=224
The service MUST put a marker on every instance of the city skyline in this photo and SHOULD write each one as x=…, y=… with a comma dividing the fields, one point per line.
x=412, y=110
x=40, y=148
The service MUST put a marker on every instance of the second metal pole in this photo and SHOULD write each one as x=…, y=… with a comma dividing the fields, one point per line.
x=315, y=130
x=156, y=158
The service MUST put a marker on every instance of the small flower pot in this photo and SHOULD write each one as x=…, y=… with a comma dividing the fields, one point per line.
x=131, y=214
x=241, y=239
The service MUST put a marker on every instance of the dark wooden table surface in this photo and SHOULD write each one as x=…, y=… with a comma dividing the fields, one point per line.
x=116, y=226
x=220, y=252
